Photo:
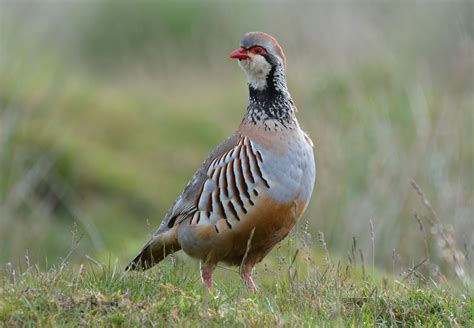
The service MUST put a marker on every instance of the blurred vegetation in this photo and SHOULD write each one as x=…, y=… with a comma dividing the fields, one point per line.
x=107, y=108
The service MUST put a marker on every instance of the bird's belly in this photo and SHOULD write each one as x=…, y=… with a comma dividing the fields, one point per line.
x=270, y=222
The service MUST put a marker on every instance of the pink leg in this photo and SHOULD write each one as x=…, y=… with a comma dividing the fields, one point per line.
x=206, y=275
x=247, y=277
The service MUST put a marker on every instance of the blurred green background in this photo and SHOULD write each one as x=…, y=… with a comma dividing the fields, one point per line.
x=107, y=108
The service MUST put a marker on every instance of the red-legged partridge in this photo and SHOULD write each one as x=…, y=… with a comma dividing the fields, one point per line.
x=253, y=188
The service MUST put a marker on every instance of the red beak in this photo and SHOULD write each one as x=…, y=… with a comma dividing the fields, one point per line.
x=240, y=53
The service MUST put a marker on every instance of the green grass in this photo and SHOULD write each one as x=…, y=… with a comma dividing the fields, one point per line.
x=172, y=294
x=107, y=111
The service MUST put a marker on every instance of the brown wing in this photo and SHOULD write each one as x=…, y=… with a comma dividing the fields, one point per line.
x=163, y=242
x=186, y=203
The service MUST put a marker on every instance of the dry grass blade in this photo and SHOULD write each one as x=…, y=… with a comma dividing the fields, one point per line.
x=249, y=243
x=444, y=238
x=372, y=238
x=414, y=269
x=362, y=263
x=323, y=244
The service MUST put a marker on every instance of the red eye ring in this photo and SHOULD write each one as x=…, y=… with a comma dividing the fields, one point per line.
x=257, y=50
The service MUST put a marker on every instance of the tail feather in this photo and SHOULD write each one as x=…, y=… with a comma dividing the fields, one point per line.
x=155, y=250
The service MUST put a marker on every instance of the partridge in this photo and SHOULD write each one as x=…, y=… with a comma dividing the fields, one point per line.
x=253, y=188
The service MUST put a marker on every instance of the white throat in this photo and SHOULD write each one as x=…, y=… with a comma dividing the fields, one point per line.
x=257, y=70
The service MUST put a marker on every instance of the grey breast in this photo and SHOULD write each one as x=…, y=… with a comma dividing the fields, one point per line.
x=291, y=174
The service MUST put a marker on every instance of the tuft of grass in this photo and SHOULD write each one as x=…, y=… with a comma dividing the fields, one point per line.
x=98, y=295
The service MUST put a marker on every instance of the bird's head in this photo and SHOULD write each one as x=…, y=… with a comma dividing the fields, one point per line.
x=258, y=54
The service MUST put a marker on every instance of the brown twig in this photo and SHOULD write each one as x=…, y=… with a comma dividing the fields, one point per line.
x=415, y=268
x=249, y=243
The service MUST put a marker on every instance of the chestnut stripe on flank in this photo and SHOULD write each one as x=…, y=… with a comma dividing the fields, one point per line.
x=224, y=177
x=222, y=204
x=231, y=181
x=217, y=175
x=231, y=207
x=219, y=204
x=209, y=206
x=248, y=168
x=251, y=147
x=252, y=154
x=198, y=199
x=215, y=202
x=192, y=218
x=259, y=156
x=234, y=151
x=257, y=166
x=242, y=184
x=227, y=156
x=229, y=174
x=235, y=189
x=212, y=167
x=198, y=217
x=252, y=157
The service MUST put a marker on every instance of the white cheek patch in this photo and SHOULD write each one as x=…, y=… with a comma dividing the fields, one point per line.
x=257, y=69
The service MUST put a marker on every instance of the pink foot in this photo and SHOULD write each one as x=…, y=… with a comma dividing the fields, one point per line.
x=206, y=276
x=249, y=282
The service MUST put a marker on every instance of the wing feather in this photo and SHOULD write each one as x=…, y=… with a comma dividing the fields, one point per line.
x=187, y=202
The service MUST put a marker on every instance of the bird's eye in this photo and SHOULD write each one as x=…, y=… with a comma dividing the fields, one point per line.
x=257, y=50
